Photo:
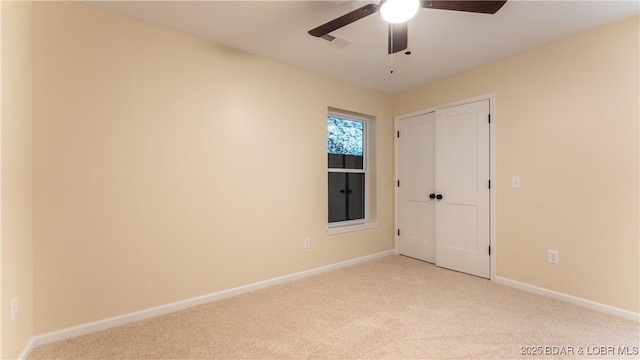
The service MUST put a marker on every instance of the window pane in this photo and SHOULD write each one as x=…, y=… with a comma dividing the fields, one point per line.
x=345, y=143
x=355, y=196
x=336, y=161
x=337, y=197
x=346, y=196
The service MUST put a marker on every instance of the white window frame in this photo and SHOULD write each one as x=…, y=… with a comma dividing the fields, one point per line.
x=359, y=224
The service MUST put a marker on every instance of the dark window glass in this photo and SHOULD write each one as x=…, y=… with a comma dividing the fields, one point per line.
x=346, y=196
x=340, y=161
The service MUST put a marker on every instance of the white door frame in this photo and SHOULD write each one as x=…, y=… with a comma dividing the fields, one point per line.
x=492, y=165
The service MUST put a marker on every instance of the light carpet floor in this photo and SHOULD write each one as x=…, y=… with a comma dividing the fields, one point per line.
x=390, y=308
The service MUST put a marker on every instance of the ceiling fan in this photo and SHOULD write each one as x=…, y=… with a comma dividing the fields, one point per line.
x=398, y=17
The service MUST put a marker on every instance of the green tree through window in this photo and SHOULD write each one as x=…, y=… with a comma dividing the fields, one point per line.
x=345, y=136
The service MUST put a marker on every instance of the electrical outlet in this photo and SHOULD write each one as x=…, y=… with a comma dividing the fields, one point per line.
x=554, y=257
x=307, y=243
x=14, y=308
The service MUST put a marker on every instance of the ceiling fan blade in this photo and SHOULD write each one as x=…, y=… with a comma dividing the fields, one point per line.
x=477, y=6
x=398, y=39
x=344, y=20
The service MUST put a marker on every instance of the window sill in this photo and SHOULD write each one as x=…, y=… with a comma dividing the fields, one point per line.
x=332, y=230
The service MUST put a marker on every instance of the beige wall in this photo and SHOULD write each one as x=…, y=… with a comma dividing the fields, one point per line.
x=167, y=167
x=567, y=123
x=16, y=218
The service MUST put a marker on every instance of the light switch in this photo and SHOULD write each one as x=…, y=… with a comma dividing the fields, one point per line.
x=515, y=182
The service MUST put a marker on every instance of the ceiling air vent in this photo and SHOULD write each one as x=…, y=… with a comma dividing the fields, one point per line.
x=338, y=42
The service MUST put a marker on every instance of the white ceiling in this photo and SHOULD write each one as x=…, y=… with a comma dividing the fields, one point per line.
x=442, y=43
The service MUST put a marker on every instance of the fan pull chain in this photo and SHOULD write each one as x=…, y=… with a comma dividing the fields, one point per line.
x=391, y=63
x=391, y=42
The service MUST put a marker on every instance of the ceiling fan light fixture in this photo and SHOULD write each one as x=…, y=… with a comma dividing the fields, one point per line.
x=398, y=11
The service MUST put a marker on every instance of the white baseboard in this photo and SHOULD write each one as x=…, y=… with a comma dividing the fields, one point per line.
x=27, y=350
x=569, y=298
x=95, y=326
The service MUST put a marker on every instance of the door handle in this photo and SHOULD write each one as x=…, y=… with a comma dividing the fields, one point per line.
x=342, y=191
x=439, y=197
x=432, y=196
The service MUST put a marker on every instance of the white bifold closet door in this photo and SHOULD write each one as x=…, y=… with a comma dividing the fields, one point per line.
x=443, y=194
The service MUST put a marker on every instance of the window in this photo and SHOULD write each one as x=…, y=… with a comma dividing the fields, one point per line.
x=347, y=169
